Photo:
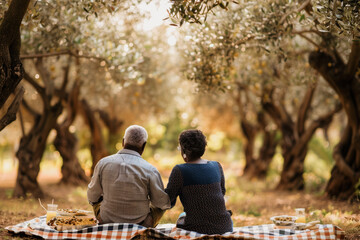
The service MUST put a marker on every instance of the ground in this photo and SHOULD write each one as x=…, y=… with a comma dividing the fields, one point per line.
x=254, y=209
x=252, y=202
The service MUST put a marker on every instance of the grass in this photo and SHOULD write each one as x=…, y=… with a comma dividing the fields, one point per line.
x=252, y=202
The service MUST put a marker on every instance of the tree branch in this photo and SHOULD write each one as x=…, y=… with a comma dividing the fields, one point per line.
x=13, y=16
x=311, y=41
x=308, y=134
x=343, y=166
x=66, y=77
x=285, y=116
x=354, y=59
x=11, y=69
x=35, y=85
x=308, y=31
x=302, y=6
x=303, y=110
x=45, y=77
x=60, y=53
x=271, y=108
x=334, y=13
x=10, y=115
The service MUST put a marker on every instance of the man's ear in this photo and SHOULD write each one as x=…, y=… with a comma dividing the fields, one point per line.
x=143, y=147
x=123, y=142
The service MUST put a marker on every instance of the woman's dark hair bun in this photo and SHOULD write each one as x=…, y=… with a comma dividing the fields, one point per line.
x=193, y=143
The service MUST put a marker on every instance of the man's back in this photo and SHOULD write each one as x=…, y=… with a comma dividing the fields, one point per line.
x=128, y=184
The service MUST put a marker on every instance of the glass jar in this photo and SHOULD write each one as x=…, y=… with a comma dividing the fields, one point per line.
x=300, y=214
x=51, y=211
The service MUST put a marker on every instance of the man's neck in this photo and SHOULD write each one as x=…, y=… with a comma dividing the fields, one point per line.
x=129, y=147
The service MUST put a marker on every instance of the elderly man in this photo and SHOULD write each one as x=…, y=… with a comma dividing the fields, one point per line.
x=127, y=189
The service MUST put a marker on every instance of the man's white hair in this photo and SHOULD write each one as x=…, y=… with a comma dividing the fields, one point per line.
x=135, y=135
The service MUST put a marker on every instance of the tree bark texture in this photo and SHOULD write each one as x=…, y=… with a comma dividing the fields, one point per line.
x=344, y=79
x=258, y=167
x=33, y=143
x=255, y=167
x=30, y=153
x=11, y=69
x=250, y=133
x=97, y=144
x=67, y=143
x=295, y=138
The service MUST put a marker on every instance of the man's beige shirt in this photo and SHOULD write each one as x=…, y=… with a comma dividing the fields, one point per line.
x=128, y=185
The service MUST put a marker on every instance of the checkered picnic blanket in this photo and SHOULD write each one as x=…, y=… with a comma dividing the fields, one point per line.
x=38, y=227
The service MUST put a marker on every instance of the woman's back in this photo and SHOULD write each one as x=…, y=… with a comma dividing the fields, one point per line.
x=201, y=188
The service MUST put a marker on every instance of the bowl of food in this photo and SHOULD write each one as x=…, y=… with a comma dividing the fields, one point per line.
x=283, y=220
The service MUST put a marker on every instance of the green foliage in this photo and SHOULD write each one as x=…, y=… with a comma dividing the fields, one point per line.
x=339, y=17
x=194, y=11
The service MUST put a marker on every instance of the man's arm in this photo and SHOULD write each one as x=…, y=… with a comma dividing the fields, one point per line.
x=158, y=196
x=95, y=192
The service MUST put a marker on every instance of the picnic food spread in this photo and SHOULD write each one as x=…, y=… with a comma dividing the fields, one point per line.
x=67, y=219
x=290, y=222
x=283, y=220
x=73, y=212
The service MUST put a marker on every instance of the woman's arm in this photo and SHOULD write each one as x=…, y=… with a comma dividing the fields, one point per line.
x=223, y=189
x=174, y=186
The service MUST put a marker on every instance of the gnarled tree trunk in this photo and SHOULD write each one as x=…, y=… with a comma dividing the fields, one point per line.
x=295, y=137
x=249, y=131
x=66, y=143
x=260, y=166
x=31, y=150
x=344, y=80
x=255, y=167
x=33, y=143
x=11, y=69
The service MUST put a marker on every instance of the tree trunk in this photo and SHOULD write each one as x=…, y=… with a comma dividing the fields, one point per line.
x=32, y=145
x=293, y=169
x=258, y=167
x=30, y=153
x=67, y=145
x=255, y=167
x=343, y=79
x=97, y=146
x=11, y=69
x=295, y=138
x=250, y=133
x=267, y=152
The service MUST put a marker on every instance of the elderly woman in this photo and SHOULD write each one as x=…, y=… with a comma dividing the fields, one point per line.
x=200, y=184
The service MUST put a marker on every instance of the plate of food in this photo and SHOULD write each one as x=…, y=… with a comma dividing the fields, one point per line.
x=62, y=223
x=283, y=220
x=73, y=212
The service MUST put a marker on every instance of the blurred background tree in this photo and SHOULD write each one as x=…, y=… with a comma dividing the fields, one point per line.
x=331, y=29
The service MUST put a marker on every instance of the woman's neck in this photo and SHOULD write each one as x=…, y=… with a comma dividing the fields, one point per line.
x=198, y=161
